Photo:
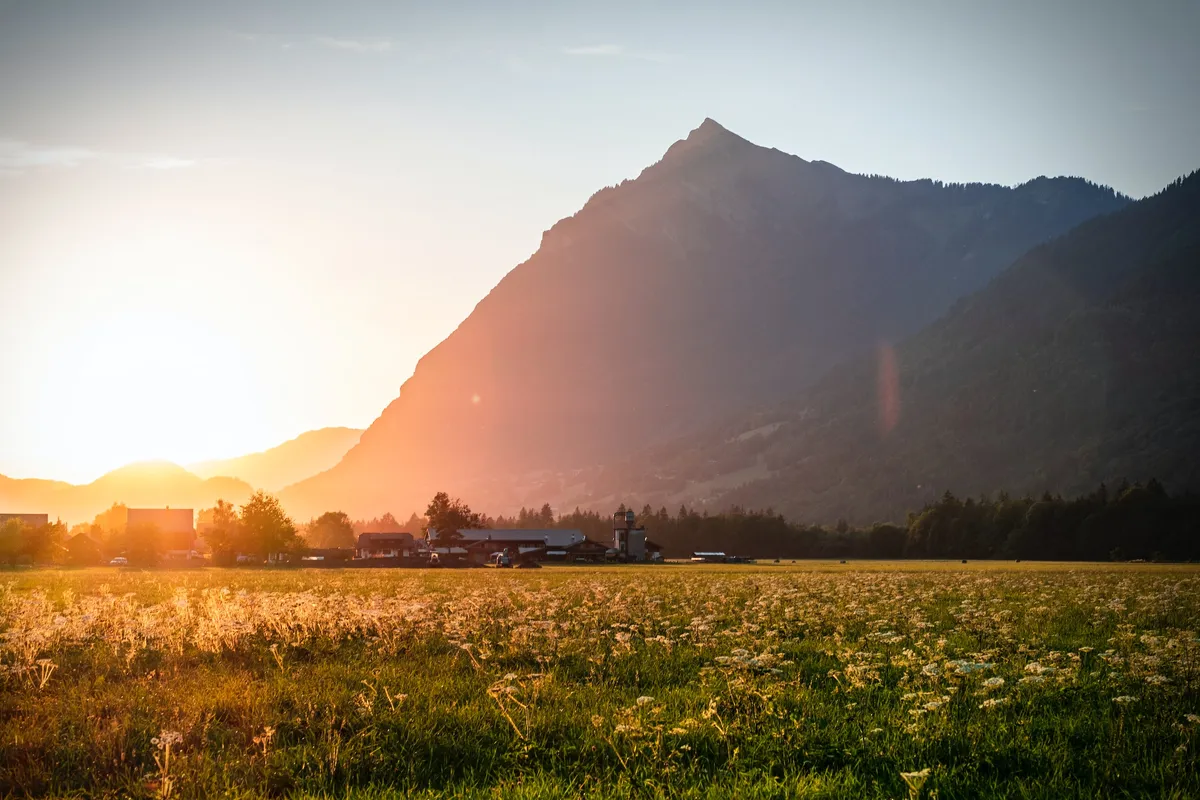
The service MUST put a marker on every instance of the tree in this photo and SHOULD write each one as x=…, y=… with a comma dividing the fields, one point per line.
x=43, y=543
x=331, y=529
x=142, y=544
x=223, y=531
x=112, y=522
x=21, y=542
x=12, y=539
x=444, y=517
x=265, y=528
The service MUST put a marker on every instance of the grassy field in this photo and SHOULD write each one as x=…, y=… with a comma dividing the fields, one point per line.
x=806, y=680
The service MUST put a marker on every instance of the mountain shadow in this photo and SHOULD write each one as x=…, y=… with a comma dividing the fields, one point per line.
x=1077, y=365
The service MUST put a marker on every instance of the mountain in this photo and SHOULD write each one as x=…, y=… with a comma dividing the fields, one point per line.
x=149, y=485
x=292, y=461
x=1076, y=365
x=724, y=278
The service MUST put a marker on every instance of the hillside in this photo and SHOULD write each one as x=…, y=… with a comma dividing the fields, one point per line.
x=725, y=278
x=280, y=466
x=151, y=485
x=1077, y=365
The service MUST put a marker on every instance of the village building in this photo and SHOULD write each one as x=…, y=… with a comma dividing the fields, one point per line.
x=478, y=545
x=629, y=540
x=386, y=545
x=175, y=525
x=83, y=550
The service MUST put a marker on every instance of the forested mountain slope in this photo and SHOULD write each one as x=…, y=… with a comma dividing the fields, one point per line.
x=1077, y=365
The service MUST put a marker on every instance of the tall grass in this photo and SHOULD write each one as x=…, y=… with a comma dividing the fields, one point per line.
x=776, y=681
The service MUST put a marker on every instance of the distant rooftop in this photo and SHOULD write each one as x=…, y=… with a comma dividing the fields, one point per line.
x=550, y=537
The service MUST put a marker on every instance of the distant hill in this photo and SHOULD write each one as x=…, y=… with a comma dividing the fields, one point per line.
x=292, y=461
x=1076, y=365
x=723, y=279
x=151, y=485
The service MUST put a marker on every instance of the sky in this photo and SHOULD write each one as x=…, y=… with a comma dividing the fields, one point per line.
x=225, y=223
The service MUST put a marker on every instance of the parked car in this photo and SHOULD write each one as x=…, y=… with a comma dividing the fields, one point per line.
x=119, y=561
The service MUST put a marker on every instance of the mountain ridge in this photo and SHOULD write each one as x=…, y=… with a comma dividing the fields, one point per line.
x=298, y=458
x=153, y=484
x=724, y=276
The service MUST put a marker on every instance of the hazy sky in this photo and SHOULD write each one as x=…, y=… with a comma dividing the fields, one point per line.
x=225, y=223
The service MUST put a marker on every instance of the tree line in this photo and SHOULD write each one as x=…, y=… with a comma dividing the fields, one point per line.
x=258, y=530
x=1129, y=521
x=1126, y=522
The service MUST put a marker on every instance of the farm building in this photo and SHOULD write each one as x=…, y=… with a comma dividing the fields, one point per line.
x=83, y=550
x=537, y=544
x=175, y=525
x=629, y=540
x=386, y=545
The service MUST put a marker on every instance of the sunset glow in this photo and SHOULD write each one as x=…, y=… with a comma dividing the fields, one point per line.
x=222, y=225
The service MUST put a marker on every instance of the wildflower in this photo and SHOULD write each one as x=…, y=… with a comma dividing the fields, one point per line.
x=1192, y=718
x=1157, y=680
x=167, y=739
x=1124, y=700
x=915, y=781
x=993, y=702
x=931, y=670
x=645, y=700
x=993, y=683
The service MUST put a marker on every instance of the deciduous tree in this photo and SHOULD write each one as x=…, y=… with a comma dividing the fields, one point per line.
x=265, y=528
x=223, y=532
x=446, y=516
x=331, y=529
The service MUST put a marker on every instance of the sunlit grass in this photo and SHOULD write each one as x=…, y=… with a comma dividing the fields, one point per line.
x=817, y=679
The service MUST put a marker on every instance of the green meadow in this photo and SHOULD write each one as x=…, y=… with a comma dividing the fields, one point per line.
x=817, y=679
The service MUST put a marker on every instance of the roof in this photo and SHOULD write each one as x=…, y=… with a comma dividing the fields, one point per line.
x=548, y=537
x=368, y=539
x=168, y=520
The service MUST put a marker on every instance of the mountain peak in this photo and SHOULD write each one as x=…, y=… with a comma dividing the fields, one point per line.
x=708, y=129
x=708, y=136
